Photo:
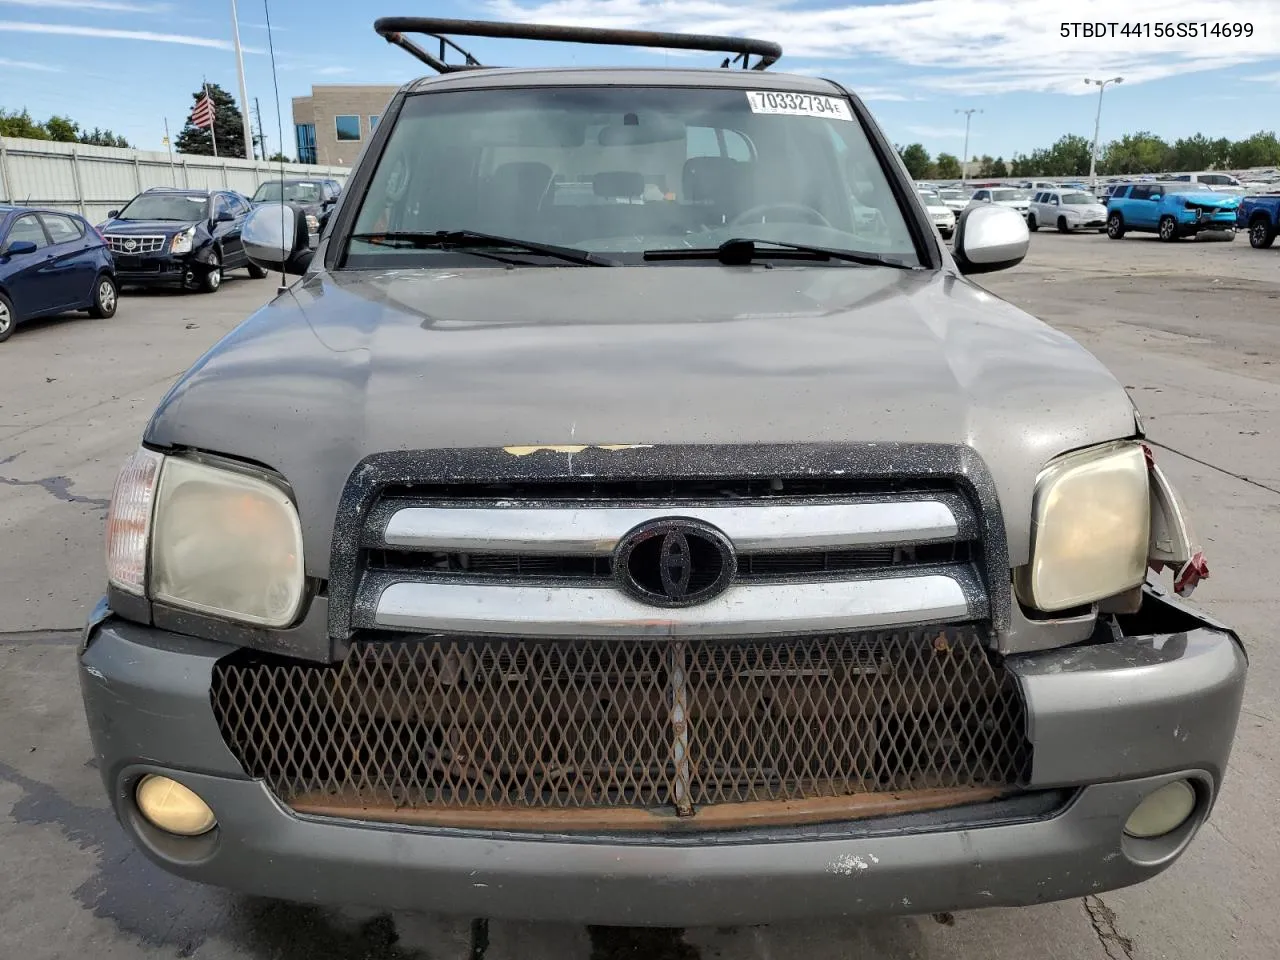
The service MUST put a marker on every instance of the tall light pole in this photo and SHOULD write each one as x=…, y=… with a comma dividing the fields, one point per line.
x=964, y=157
x=244, y=94
x=1097, y=125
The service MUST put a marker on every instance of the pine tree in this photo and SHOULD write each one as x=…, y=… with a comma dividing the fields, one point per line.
x=228, y=125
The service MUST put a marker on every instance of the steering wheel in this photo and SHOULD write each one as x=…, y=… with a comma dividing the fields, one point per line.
x=806, y=213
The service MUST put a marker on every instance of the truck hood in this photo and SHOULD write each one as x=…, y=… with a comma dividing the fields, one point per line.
x=349, y=364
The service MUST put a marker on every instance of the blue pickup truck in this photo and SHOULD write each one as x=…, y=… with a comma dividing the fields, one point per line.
x=1261, y=217
x=1170, y=210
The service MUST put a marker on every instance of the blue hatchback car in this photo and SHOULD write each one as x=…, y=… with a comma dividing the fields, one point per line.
x=1170, y=210
x=52, y=262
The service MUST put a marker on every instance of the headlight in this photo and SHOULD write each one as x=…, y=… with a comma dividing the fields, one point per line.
x=214, y=539
x=1090, y=528
x=182, y=241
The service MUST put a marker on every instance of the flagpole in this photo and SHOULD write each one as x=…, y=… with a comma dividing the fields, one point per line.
x=244, y=94
x=213, y=121
x=173, y=173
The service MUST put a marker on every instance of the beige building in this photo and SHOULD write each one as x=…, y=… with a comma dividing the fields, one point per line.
x=334, y=123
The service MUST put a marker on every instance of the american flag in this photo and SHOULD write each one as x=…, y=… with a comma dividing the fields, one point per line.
x=202, y=113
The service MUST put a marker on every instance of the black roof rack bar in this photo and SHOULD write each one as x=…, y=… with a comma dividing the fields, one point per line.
x=435, y=63
x=393, y=28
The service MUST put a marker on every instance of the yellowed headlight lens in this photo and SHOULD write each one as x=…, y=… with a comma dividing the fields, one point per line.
x=1090, y=527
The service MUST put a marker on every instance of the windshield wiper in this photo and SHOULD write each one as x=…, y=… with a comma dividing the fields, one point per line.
x=737, y=252
x=462, y=239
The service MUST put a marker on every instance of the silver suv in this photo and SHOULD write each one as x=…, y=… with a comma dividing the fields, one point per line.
x=634, y=515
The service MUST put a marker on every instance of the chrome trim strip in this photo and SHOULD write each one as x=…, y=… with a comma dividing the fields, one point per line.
x=769, y=609
x=595, y=531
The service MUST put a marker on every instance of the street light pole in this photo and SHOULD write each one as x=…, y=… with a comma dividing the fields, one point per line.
x=1097, y=125
x=964, y=157
x=244, y=95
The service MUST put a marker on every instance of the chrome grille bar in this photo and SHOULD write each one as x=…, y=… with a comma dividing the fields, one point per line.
x=950, y=593
x=595, y=531
x=148, y=243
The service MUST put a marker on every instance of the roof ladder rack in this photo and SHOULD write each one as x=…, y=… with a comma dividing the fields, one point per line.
x=393, y=30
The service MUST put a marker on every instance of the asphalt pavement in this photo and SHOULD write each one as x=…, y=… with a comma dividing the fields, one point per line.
x=1191, y=330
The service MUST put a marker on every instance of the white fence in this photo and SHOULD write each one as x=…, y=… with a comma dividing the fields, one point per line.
x=93, y=180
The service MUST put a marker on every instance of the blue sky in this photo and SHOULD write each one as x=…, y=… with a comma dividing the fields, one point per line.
x=128, y=64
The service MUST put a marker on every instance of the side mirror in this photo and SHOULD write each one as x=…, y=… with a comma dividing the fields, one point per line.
x=224, y=216
x=112, y=214
x=275, y=238
x=990, y=238
x=20, y=247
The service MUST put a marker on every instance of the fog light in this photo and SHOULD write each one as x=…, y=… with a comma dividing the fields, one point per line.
x=1162, y=811
x=174, y=808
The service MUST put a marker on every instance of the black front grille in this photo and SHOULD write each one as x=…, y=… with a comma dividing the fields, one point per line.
x=454, y=724
x=510, y=566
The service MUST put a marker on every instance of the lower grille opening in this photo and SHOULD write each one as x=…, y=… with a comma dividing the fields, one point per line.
x=637, y=734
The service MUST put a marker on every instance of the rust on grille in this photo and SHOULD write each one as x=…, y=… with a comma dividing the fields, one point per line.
x=635, y=735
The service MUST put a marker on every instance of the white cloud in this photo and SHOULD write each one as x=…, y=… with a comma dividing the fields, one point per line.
x=28, y=65
x=22, y=26
x=969, y=46
x=332, y=71
x=1265, y=78
x=106, y=6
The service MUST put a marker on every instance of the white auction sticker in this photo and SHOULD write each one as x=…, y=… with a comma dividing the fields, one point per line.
x=799, y=104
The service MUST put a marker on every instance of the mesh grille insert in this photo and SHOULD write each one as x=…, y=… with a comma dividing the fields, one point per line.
x=508, y=724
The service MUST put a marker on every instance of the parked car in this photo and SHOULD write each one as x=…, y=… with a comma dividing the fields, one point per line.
x=1067, y=210
x=955, y=199
x=315, y=197
x=537, y=559
x=1172, y=211
x=1217, y=182
x=943, y=216
x=1261, y=217
x=1014, y=198
x=51, y=262
x=176, y=237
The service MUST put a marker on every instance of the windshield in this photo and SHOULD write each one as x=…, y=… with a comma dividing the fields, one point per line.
x=1007, y=195
x=293, y=192
x=1079, y=199
x=930, y=198
x=952, y=195
x=172, y=206
x=617, y=171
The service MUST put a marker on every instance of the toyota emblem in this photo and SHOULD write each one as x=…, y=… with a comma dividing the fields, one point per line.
x=674, y=562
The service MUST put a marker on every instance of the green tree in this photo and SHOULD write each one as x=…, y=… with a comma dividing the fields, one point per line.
x=986, y=166
x=999, y=168
x=917, y=159
x=228, y=125
x=1260, y=150
x=1141, y=152
x=20, y=124
x=279, y=158
x=63, y=129
x=1193, y=153
x=947, y=167
x=103, y=138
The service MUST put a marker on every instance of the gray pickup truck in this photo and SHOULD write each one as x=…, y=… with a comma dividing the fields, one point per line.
x=635, y=515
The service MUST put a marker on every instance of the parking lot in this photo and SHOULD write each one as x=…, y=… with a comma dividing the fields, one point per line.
x=1191, y=330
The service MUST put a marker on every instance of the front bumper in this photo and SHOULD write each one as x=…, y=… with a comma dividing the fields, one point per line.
x=1108, y=722
x=159, y=269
